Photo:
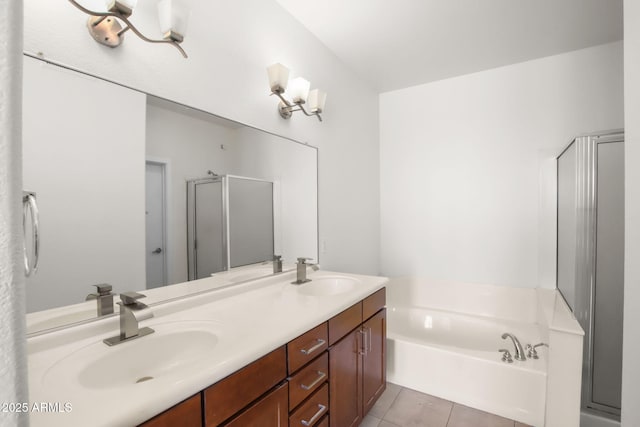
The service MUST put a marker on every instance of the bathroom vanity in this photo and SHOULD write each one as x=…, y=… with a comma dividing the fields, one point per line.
x=266, y=351
x=293, y=381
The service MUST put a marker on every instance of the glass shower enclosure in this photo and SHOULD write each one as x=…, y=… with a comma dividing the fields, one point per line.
x=230, y=223
x=590, y=259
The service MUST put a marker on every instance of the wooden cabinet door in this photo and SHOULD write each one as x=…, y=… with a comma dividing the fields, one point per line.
x=270, y=411
x=187, y=414
x=374, y=367
x=345, y=406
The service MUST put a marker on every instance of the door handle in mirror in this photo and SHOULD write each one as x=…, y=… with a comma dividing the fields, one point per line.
x=157, y=251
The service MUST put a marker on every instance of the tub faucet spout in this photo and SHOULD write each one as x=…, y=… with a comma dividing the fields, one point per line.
x=519, y=350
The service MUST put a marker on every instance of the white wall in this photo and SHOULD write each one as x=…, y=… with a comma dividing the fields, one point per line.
x=13, y=362
x=230, y=44
x=631, y=343
x=88, y=180
x=467, y=165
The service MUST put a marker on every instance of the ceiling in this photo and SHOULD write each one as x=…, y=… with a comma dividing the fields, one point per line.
x=393, y=44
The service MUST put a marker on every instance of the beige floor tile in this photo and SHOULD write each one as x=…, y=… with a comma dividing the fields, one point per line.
x=415, y=409
x=384, y=402
x=463, y=416
x=384, y=423
x=370, y=421
x=521, y=425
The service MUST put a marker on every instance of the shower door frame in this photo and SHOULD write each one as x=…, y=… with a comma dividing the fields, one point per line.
x=192, y=262
x=586, y=241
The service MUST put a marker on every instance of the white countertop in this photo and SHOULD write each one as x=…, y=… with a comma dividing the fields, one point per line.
x=57, y=317
x=249, y=320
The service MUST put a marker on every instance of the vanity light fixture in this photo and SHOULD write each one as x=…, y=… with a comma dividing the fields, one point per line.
x=106, y=29
x=298, y=93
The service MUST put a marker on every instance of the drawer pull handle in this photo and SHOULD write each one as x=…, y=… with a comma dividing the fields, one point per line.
x=321, y=376
x=310, y=350
x=362, y=349
x=321, y=409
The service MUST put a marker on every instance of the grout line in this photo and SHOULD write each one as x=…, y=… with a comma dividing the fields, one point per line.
x=450, y=412
x=392, y=402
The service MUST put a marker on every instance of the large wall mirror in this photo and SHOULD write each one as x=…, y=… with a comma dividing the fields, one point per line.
x=112, y=169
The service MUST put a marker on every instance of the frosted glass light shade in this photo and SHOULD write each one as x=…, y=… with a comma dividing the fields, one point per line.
x=173, y=17
x=299, y=90
x=278, y=77
x=316, y=100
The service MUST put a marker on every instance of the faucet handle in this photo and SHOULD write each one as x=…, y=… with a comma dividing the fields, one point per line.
x=303, y=260
x=277, y=257
x=506, y=355
x=532, y=350
x=129, y=298
x=103, y=289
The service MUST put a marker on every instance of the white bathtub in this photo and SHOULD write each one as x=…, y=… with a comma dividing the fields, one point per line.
x=443, y=340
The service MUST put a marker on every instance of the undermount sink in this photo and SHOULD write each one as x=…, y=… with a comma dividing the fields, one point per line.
x=328, y=286
x=172, y=350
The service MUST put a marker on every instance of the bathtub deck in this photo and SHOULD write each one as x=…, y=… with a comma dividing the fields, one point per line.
x=399, y=407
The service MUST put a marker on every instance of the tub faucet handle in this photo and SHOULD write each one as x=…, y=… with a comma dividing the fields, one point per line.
x=531, y=350
x=506, y=355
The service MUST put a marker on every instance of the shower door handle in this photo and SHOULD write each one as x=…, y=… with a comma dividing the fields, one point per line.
x=157, y=251
x=30, y=207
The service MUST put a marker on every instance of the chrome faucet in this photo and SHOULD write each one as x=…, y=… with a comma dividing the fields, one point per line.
x=131, y=312
x=301, y=270
x=277, y=264
x=104, y=299
x=519, y=350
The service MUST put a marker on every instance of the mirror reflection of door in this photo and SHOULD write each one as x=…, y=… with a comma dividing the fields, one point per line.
x=155, y=225
x=210, y=245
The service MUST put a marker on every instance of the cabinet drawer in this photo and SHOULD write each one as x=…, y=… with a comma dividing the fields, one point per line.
x=345, y=322
x=312, y=410
x=373, y=303
x=270, y=411
x=308, y=380
x=307, y=346
x=233, y=393
x=187, y=414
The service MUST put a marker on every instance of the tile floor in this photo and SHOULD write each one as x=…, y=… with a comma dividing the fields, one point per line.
x=402, y=407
